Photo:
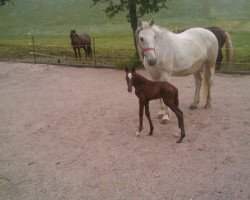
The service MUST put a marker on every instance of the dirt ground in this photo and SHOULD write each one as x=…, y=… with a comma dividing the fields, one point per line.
x=69, y=133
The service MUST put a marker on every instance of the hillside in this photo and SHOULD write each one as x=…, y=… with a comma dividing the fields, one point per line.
x=60, y=16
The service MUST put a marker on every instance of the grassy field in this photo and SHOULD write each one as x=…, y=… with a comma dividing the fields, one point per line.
x=51, y=23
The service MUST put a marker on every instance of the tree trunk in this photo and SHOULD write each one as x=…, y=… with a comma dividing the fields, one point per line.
x=133, y=19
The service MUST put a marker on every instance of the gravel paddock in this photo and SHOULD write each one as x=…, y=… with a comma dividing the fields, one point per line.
x=69, y=133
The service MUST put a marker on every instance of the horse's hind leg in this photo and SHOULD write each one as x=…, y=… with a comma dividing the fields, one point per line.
x=219, y=59
x=149, y=119
x=208, y=80
x=198, y=80
x=86, y=52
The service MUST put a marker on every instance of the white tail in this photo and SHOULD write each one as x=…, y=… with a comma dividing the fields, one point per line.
x=208, y=77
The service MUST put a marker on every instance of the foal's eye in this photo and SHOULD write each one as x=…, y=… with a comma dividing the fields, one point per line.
x=141, y=39
x=155, y=36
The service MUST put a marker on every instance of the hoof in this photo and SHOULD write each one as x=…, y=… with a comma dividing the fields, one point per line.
x=207, y=106
x=179, y=140
x=150, y=134
x=176, y=135
x=165, y=121
x=160, y=116
x=137, y=133
x=192, y=107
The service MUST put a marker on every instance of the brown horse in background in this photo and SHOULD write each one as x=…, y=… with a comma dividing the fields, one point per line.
x=223, y=37
x=81, y=41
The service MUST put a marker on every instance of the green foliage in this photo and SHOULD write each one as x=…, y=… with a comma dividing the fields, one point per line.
x=51, y=22
x=114, y=7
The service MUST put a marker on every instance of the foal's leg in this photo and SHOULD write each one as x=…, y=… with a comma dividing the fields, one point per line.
x=149, y=119
x=141, y=108
x=179, y=115
x=198, y=80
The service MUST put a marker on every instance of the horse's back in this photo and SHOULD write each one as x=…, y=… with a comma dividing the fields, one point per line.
x=85, y=38
x=191, y=49
x=201, y=37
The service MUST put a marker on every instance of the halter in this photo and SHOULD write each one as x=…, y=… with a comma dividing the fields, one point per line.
x=146, y=48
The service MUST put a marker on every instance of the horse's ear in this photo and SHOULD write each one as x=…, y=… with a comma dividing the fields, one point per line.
x=126, y=69
x=133, y=69
x=139, y=24
x=74, y=31
x=151, y=22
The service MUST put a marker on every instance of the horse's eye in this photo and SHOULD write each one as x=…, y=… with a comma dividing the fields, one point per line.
x=155, y=36
x=141, y=39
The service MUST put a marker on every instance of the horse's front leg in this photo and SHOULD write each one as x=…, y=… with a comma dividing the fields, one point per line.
x=198, y=80
x=165, y=112
x=79, y=53
x=75, y=53
x=141, y=108
x=149, y=119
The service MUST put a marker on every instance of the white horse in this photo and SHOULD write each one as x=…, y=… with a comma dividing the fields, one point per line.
x=164, y=53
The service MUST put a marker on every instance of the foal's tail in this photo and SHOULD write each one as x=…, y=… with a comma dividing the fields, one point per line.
x=229, y=47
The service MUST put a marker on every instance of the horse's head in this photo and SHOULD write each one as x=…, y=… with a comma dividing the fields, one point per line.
x=72, y=34
x=130, y=75
x=146, y=39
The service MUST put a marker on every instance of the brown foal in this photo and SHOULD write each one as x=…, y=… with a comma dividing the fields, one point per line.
x=147, y=90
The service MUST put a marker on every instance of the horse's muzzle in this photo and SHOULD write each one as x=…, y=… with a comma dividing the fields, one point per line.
x=152, y=62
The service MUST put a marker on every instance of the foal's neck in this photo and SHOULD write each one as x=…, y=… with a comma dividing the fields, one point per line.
x=138, y=80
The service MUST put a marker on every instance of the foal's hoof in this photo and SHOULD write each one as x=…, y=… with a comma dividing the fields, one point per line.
x=179, y=140
x=165, y=120
x=160, y=116
x=137, y=133
x=193, y=107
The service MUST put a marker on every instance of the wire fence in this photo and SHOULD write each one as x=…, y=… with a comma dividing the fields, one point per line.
x=106, y=52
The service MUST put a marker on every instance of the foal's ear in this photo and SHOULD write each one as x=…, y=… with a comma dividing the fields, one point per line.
x=126, y=69
x=151, y=22
x=133, y=69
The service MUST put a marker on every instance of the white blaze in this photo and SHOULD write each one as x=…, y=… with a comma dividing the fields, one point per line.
x=130, y=76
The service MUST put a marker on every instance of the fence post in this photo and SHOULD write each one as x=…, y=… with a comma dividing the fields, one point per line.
x=94, y=51
x=33, y=46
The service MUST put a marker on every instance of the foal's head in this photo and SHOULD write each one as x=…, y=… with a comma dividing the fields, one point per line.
x=130, y=75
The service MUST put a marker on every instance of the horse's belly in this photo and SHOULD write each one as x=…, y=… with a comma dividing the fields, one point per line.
x=184, y=71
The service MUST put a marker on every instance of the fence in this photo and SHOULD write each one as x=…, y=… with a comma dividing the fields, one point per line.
x=107, y=52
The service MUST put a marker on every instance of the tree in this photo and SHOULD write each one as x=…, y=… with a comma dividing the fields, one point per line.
x=135, y=9
x=5, y=2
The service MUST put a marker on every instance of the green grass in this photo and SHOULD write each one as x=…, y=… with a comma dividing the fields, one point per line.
x=51, y=22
